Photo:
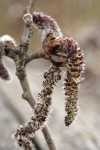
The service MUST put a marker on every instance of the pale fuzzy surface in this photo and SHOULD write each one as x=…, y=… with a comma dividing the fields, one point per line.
x=5, y=38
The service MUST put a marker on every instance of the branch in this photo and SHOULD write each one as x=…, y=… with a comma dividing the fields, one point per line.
x=38, y=54
x=27, y=95
x=20, y=61
x=48, y=138
x=59, y=59
x=27, y=32
x=30, y=6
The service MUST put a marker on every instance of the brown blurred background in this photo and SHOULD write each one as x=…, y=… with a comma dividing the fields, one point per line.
x=81, y=20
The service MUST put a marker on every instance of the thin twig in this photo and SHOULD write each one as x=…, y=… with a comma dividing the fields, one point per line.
x=30, y=6
x=42, y=54
x=36, y=55
x=48, y=138
x=27, y=95
x=20, y=61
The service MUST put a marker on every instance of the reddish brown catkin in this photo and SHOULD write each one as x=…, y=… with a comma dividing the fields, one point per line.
x=46, y=24
x=41, y=110
x=75, y=66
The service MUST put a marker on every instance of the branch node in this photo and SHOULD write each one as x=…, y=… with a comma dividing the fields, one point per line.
x=25, y=95
x=28, y=19
x=21, y=74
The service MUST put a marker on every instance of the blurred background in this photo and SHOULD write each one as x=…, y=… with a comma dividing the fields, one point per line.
x=81, y=20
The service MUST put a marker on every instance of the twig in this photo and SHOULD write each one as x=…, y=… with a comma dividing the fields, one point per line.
x=20, y=61
x=48, y=138
x=36, y=55
x=42, y=54
x=30, y=6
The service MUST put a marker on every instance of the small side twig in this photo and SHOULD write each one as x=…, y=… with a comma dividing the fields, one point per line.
x=48, y=138
x=42, y=54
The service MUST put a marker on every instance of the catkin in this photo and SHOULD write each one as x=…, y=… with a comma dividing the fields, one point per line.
x=75, y=66
x=41, y=109
x=46, y=24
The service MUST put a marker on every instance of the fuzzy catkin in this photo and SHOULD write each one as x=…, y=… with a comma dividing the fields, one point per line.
x=75, y=66
x=46, y=24
x=41, y=110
